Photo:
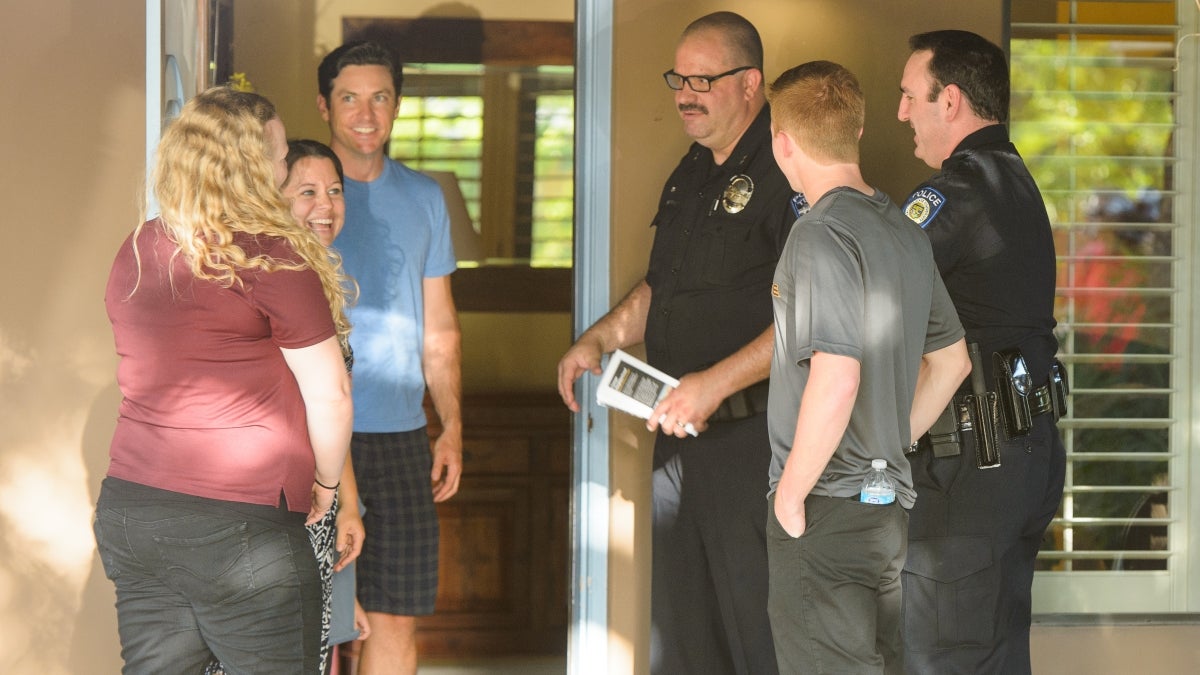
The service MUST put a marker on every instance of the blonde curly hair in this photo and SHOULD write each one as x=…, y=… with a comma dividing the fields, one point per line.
x=214, y=178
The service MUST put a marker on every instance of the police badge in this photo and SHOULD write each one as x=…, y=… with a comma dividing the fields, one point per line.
x=737, y=193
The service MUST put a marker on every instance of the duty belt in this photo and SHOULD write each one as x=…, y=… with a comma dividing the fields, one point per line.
x=1040, y=403
x=742, y=404
x=1009, y=409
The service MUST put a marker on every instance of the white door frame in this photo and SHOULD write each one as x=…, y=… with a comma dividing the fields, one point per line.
x=587, y=643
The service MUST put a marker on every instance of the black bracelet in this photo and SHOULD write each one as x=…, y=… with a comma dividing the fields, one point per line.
x=327, y=487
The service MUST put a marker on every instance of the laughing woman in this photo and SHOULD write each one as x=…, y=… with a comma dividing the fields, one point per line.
x=314, y=190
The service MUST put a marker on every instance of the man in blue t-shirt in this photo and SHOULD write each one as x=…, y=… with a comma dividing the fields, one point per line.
x=396, y=244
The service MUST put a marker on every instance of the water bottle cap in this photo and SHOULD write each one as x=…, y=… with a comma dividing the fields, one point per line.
x=879, y=464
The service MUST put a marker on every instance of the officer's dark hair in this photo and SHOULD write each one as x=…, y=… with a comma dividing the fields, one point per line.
x=741, y=36
x=978, y=67
x=358, y=53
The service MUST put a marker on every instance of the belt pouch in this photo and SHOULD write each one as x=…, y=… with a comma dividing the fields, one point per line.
x=943, y=435
x=1059, y=389
x=1013, y=387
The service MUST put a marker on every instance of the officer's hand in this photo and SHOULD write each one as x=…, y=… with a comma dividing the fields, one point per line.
x=691, y=403
x=583, y=356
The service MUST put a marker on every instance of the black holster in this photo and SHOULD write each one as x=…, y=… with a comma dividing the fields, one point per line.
x=981, y=406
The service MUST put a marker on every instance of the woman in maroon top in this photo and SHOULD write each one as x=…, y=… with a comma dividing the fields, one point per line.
x=236, y=413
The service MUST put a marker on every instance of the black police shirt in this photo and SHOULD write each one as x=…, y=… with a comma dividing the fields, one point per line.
x=993, y=245
x=718, y=235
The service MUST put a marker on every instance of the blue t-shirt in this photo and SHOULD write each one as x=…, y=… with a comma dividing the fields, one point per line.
x=397, y=234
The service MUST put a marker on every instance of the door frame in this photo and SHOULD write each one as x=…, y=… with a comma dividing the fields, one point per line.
x=587, y=641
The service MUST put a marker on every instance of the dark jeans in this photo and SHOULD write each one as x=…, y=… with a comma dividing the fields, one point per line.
x=193, y=585
x=835, y=597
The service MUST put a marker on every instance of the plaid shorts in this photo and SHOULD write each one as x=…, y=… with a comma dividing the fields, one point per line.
x=398, y=567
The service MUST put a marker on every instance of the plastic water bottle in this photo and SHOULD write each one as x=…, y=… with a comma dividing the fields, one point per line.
x=878, y=488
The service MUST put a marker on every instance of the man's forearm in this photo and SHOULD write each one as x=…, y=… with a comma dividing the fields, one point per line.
x=443, y=377
x=829, y=397
x=441, y=358
x=746, y=366
x=625, y=324
x=940, y=374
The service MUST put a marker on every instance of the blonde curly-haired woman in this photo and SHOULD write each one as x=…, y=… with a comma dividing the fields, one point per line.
x=236, y=414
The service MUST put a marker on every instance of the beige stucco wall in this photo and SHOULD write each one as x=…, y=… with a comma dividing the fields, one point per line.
x=73, y=145
x=72, y=139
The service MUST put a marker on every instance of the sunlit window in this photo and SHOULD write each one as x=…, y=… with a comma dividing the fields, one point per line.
x=1095, y=114
x=508, y=135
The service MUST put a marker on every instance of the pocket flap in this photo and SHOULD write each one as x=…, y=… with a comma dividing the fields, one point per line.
x=948, y=559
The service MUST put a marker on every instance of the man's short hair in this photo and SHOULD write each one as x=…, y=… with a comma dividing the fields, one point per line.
x=821, y=106
x=359, y=53
x=744, y=44
x=978, y=67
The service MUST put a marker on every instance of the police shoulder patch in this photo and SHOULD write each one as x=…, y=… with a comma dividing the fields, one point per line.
x=923, y=205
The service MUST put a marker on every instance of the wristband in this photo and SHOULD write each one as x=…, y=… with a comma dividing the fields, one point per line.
x=327, y=487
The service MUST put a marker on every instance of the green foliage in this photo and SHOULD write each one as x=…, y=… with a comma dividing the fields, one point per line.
x=1087, y=117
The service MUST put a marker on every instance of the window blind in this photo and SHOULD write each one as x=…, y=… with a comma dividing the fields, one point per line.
x=1096, y=115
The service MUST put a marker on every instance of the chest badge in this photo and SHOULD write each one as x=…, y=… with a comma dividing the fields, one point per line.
x=737, y=193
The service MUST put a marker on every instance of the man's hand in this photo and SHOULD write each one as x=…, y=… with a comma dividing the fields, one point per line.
x=790, y=513
x=692, y=402
x=350, y=534
x=361, y=623
x=624, y=325
x=447, y=465
x=583, y=356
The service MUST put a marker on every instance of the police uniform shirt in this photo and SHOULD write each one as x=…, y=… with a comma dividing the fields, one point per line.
x=993, y=245
x=718, y=235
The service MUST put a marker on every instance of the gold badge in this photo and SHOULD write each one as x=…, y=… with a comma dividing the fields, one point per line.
x=737, y=193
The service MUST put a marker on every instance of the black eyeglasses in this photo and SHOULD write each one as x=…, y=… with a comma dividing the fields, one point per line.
x=698, y=83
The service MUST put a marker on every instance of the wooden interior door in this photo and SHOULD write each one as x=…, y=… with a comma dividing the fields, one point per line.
x=504, y=555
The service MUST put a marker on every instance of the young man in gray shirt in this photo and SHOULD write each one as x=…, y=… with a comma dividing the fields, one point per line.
x=868, y=351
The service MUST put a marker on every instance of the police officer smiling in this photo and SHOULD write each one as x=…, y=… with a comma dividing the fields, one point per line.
x=704, y=313
x=979, y=517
